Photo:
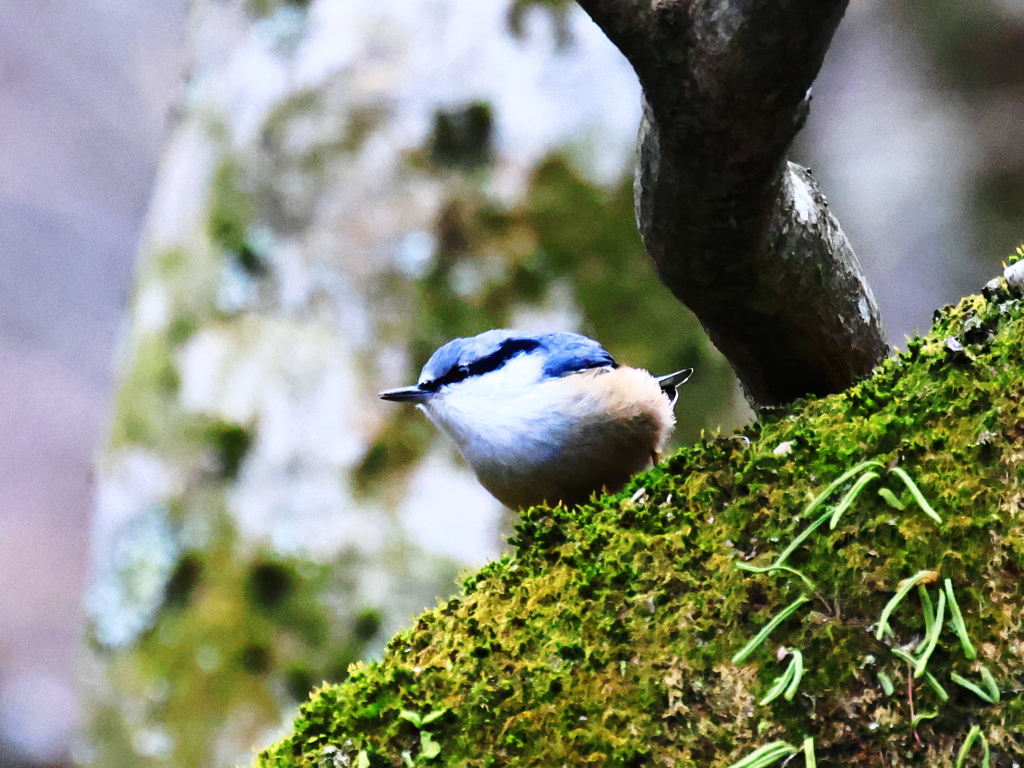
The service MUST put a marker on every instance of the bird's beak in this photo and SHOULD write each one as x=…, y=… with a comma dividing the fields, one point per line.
x=411, y=394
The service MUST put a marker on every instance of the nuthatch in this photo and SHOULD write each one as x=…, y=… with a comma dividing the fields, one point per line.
x=545, y=418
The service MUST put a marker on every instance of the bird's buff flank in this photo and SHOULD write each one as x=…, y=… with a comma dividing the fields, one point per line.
x=545, y=418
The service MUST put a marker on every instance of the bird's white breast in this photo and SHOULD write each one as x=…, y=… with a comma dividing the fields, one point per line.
x=531, y=439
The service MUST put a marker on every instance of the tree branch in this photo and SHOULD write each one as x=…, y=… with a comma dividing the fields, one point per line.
x=739, y=235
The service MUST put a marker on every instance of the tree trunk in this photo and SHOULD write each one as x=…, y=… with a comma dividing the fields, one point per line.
x=328, y=212
x=740, y=236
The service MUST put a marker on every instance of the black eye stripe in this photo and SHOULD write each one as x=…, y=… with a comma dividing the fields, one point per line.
x=492, y=362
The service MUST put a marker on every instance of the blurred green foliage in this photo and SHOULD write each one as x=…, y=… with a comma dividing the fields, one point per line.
x=558, y=10
x=463, y=137
x=975, y=48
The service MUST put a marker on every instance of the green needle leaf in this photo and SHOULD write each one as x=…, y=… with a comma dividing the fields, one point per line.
x=937, y=687
x=958, y=622
x=990, y=683
x=788, y=681
x=922, y=716
x=766, y=755
x=932, y=638
x=902, y=592
x=413, y=717
x=891, y=500
x=809, y=760
x=761, y=636
x=797, y=663
x=429, y=748
x=801, y=537
x=850, y=497
x=431, y=717
x=755, y=569
x=886, y=682
x=778, y=685
x=929, y=609
x=973, y=735
x=818, y=500
x=823, y=496
x=963, y=682
x=922, y=502
x=928, y=676
x=901, y=654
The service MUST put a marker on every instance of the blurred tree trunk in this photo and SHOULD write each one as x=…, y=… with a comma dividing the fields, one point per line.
x=333, y=204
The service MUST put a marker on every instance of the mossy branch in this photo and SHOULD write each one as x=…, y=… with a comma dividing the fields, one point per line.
x=605, y=637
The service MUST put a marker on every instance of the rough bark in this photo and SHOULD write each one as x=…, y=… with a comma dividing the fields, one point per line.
x=739, y=235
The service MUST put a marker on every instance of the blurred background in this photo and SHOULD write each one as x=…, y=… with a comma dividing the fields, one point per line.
x=224, y=225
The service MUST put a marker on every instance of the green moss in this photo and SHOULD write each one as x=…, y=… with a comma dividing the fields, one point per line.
x=401, y=443
x=151, y=383
x=605, y=637
x=463, y=137
x=231, y=211
x=263, y=8
x=362, y=122
x=270, y=584
x=184, y=581
x=230, y=443
x=231, y=216
x=236, y=628
x=558, y=10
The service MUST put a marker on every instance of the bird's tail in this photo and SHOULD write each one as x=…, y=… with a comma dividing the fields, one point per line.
x=670, y=381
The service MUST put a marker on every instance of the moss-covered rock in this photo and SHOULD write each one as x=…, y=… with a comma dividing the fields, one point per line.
x=607, y=636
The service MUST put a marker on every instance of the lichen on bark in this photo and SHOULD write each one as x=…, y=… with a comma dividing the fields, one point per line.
x=606, y=636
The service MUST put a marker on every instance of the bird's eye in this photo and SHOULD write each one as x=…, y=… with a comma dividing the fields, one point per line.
x=458, y=373
x=454, y=374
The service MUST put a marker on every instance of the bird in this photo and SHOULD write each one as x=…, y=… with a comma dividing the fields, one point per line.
x=545, y=418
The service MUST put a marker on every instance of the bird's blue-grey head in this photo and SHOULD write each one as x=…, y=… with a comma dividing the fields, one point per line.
x=559, y=354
